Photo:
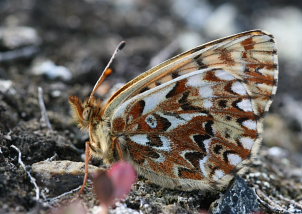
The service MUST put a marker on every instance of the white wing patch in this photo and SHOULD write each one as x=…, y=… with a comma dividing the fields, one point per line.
x=207, y=103
x=245, y=105
x=196, y=80
x=234, y=159
x=202, y=164
x=250, y=124
x=238, y=88
x=151, y=101
x=142, y=139
x=206, y=144
x=224, y=75
x=218, y=174
x=206, y=91
x=247, y=142
x=166, y=144
x=157, y=97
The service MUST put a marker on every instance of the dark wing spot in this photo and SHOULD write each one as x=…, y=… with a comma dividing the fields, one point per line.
x=185, y=105
x=228, y=118
x=188, y=107
x=153, y=154
x=144, y=89
x=238, y=142
x=164, y=123
x=154, y=141
x=199, y=140
x=157, y=83
x=141, y=105
x=194, y=157
x=175, y=75
x=246, y=70
x=184, y=97
x=217, y=149
x=182, y=172
x=241, y=120
x=227, y=133
x=198, y=60
x=208, y=128
x=173, y=92
x=222, y=103
x=274, y=83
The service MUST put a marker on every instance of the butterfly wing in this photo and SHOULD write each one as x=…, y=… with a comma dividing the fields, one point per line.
x=193, y=120
x=234, y=52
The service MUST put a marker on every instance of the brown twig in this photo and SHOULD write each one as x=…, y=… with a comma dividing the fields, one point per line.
x=44, y=116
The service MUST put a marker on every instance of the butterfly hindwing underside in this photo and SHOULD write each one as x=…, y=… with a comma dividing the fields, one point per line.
x=196, y=119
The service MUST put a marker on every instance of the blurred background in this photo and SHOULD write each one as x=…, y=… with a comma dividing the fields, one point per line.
x=62, y=46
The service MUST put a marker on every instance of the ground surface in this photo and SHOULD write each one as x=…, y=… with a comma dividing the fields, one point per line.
x=80, y=36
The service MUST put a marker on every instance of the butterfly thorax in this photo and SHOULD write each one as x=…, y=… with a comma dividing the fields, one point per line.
x=90, y=118
x=101, y=142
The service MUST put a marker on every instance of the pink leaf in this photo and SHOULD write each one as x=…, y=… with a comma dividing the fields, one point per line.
x=104, y=188
x=123, y=175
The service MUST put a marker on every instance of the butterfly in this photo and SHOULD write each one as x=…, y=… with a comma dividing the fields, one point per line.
x=193, y=121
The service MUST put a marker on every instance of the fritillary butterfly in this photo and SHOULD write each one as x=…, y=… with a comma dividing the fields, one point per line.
x=193, y=121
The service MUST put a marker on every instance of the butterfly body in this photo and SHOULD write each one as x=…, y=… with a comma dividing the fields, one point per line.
x=193, y=121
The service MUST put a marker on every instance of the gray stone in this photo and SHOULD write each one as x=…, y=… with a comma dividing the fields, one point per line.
x=239, y=198
x=60, y=176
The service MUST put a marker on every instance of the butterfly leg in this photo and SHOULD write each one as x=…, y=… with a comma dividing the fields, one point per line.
x=87, y=159
x=118, y=148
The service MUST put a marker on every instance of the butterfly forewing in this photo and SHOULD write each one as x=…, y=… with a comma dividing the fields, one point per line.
x=254, y=47
x=195, y=119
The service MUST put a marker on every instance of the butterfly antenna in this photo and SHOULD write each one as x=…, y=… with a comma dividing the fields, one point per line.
x=107, y=71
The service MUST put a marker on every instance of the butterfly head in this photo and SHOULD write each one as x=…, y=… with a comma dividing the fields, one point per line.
x=86, y=113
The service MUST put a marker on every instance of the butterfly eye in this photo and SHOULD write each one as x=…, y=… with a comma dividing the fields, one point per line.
x=87, y=113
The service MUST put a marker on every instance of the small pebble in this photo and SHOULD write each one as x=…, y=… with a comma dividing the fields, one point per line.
x=18, y=36
x=51, y=70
